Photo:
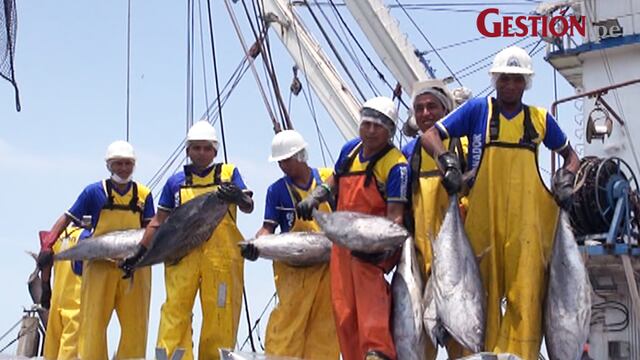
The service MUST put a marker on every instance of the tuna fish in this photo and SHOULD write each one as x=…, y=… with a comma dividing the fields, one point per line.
x=432, y=326
x=188, y=226
x=294, y=248
x=34, y=284
x=458, y=292
x=568, y=300
x=406, y=289
x=361, y=232
x=115, y=245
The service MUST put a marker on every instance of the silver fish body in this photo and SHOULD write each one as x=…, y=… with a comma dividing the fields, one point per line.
x=567, y=311
x=187, y=227
x=294, y=248
x=361, y=232
x=406, y=289
x=115, y=245
x=430, y=316
x=458, y=291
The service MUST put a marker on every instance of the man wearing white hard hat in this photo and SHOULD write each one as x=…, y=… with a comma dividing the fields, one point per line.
x=511, y=213
x=302, y=324
x=429, y=200
x=215, y=268
x=117, y=203
x=371, y=178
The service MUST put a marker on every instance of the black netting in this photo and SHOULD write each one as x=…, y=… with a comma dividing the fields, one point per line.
x=8, y=43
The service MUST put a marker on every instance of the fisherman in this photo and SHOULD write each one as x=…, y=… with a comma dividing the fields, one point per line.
x=371, y=178
x=215, y=268
x=302, y=324
x=117, y=203
x=63, y=324
x=431, y=102
x=511, y=214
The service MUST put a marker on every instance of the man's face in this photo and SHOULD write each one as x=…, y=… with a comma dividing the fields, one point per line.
x=427, y=109
x=289, y=166
x=510, y=88
x=122, y=167
x=374, y=136
x=201, y=153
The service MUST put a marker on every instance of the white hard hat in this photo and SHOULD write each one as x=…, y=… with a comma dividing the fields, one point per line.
x=512, y=60
x=285, y=144
x=120, y=150
x=203, y=130
x=384, y=105
x=437, y=88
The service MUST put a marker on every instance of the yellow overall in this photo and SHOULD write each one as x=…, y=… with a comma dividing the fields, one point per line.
x=104, y=290
x=512, y=216
x=430, y=201
x=216, y=269
x=302, y=324
x=63, y=325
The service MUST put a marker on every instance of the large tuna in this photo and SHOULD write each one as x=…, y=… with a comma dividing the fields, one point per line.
x=293, y=248
x=568, y=302
x=361, y=232
x=458, y=292
x=406, y=289
x=115, y=245
x=187, y=227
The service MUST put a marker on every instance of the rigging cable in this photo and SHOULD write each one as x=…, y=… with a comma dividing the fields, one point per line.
x=253, y=328
x=429, y=42
x=334, y=49
x=236, y=26
x=204, y=67
x=128, y=64
x=257, y=9
x=215, y=71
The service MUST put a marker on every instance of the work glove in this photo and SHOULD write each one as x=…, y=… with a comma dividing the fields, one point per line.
x=45, y=298
x=45, y=258
x=373, y=258
x=451, y=172
x=230, y=192
x=562, y=188
x=249, y=251
x=304, y=209
x=130, y=262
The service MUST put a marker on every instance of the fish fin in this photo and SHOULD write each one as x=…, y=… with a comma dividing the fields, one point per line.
x=440, y=334
x=32, y=254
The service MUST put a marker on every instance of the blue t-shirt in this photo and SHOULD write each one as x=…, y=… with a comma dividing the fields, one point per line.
x=93, y=198
x=395, y=180
x=278, y=208
x=170, y=196
x=471, y=118
x=409, y=148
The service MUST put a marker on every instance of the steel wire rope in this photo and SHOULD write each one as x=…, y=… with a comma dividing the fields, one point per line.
x=351, y=51
x=309, y=100
x=335, y=50
x=246, y=50
x=459, y=43
x=429, y=42
x=255, y=324
x=373, y=65
x=486, y=64
x=9, y=331
x=259, y=42
x=189, y=100
x=286, y=120
x=204, y=67
x=215, y=71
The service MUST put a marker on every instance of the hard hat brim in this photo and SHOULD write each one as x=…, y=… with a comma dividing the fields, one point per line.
x=511, y=70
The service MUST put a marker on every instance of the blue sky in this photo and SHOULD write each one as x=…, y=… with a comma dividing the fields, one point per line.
x=71, y=70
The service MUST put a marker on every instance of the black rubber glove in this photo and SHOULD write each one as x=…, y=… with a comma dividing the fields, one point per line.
x=230, y=192
x=562, y=188
x=373, y=258
x=451, y=172
x=304, y=209
x=130, y=262
x=45, y=258
x=45, y=298
x=249, y=252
